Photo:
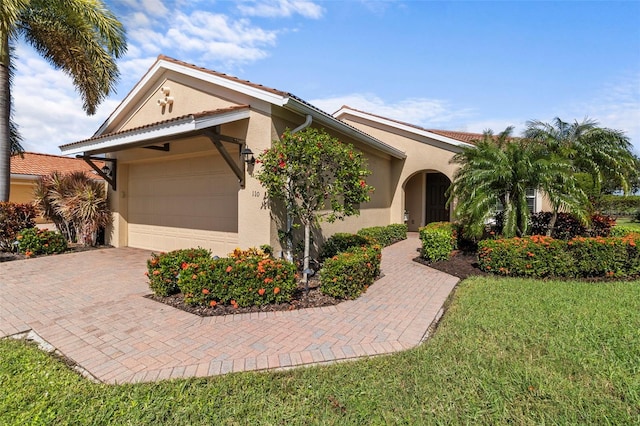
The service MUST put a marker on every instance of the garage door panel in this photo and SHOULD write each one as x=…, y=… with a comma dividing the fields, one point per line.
x=183, y=203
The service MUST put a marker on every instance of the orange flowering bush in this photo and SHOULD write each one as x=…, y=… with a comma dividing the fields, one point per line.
x=164, y=269
x=539, y=256
x=346, y=275
x=32, y=241
x=245, y=278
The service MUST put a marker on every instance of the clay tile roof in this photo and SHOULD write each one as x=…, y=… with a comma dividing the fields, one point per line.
x=461, y=136
x=223, y=75
x=36, y=164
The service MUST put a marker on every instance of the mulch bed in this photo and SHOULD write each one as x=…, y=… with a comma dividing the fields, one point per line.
x=73, y=248
x=460, y=264
x=300, y=300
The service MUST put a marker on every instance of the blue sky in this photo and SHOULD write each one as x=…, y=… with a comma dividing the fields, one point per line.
x=454, y=65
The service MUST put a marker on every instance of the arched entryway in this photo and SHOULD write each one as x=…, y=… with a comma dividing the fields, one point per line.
x=425, y=199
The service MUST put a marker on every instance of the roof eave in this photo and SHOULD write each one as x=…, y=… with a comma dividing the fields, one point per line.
x=403, y=127
x=139, y=137
x=331, y=122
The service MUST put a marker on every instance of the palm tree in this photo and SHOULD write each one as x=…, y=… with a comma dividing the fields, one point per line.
x=81, y=37
x=604, y=154
x=75, y=203
x=498, y=171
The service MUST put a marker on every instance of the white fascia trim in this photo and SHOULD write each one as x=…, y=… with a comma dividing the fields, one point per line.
x=346, y=129
x=164, y=130
x=403, y=127
x=24, y=177
x=162, y=64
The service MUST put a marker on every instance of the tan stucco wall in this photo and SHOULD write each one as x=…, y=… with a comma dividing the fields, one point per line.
x=423, y=155
x=21, y=191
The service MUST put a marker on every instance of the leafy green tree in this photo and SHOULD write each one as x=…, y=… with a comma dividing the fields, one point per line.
x=497, y=172
x=316, y=177
x=604, y=154
x=81, y=37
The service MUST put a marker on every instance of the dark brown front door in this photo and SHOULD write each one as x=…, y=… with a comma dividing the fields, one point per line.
x=437, y=185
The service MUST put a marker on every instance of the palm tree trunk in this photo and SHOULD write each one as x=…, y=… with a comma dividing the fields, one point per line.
x=5, y=114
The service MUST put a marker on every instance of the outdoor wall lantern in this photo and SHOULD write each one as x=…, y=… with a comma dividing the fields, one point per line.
x=247, y=156
x=106, y=170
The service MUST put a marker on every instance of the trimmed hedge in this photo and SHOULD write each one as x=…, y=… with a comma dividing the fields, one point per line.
x=243, y=281
x=439, y=239
x=385, y=235
x=163, y=269
x=14, y=217
x=581, y=257
x=340, y=242
x=33, y=241
x=347, y=275
x=618, y=205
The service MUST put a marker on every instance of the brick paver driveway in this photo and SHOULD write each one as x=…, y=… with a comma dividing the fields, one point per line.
x=90, y=307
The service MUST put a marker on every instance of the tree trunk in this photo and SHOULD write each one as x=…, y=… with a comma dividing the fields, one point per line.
x=305, y=261
x=5, y=115
x=552, y=222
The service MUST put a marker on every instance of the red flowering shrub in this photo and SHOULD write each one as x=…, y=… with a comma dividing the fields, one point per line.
x=14, y=217
x=346, y=275
x=244, y=279
x=539, y=256
x=163, y=269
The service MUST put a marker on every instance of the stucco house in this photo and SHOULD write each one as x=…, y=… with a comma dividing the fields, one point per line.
x=179, y=177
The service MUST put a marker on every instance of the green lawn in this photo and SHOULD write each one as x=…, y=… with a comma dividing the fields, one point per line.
x=507, y=351
x=628, y=222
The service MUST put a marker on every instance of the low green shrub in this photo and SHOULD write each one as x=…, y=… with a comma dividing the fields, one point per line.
x=567, y=226
x=346, y=275
x=340, y=242
x=539, y=256
x=385, y=235
x=34, y=241
x=245, y=280
x=163, y=269
x=439, y=239
x=623, y=230
x=14, y=217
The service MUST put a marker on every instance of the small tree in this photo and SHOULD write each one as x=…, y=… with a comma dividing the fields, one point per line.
x=316, y=177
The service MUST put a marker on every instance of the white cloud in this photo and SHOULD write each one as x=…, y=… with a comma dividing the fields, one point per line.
x=616, y=106
x=281, y=8
x=424, y=112
x=48, y=110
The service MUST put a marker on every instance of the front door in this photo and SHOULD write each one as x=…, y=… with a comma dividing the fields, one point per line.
x=436, y=208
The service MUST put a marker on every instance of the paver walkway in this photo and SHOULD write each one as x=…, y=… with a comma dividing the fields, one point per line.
x=90, y=307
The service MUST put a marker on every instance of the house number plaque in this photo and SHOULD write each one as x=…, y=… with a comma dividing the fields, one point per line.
x=255, y=194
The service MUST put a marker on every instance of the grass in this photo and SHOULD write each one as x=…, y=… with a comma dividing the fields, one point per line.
x=507, y=351
x=628, y=222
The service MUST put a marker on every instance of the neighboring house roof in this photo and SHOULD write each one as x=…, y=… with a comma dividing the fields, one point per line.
x=455, y=138
x=33, y=164
x=275, y=97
